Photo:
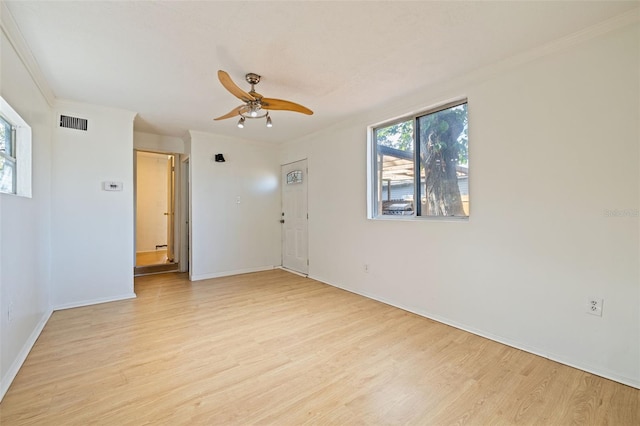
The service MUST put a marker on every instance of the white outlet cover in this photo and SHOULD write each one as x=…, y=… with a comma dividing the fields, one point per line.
x=594, y=306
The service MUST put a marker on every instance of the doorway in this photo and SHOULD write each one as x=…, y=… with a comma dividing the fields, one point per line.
x=295, y=217
x=155, y=213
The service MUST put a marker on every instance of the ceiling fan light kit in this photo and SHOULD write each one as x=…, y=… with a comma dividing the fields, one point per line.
x=255, y=105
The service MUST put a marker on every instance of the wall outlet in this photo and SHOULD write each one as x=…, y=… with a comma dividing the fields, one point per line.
x=594, y=306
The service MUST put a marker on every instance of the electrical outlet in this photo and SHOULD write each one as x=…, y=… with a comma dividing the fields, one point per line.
x=594, y=306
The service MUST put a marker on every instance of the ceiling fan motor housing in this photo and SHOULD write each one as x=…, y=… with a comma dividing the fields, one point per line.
x=252, y=78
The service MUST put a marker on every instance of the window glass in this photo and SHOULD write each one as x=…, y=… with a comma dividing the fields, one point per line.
x=7, y=157
x=15, y=152
x=395, y=158
x=435, y=143
x=6, y=145
x=444, y=162
x=7, y=175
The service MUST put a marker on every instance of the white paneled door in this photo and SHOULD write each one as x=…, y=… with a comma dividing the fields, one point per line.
x=294, y=217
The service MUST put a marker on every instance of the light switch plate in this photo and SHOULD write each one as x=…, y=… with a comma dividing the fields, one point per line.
x=112, y=186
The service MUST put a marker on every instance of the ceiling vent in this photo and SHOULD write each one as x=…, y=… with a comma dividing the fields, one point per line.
x=73, y=122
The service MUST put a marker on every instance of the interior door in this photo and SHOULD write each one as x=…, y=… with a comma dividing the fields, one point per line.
x=295, y=217
x=171, y=196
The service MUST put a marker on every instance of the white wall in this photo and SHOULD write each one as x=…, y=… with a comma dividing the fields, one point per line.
x=151, y=201
x=554, y=144
x=228, y=237
x=158, y=143
x=25, y=224
x=92, y=229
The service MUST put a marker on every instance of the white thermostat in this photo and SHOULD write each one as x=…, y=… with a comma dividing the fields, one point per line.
x=112, y=186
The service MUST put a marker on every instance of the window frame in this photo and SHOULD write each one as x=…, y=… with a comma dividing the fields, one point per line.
x=373, y=168
x=11, y=156
x=376, y=171
x=22, y=149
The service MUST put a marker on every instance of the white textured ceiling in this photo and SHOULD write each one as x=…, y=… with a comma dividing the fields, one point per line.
x=160, y=58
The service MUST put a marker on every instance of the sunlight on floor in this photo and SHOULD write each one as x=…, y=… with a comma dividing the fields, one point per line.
x=158, y=257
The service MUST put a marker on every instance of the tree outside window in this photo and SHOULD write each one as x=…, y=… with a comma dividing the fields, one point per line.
x=441, y=154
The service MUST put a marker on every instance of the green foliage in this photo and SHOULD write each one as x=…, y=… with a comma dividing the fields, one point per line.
x=398, y=136
x=442, y=138
x=447, y=131
x=434, y=127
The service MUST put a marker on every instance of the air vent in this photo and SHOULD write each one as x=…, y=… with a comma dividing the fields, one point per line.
x=73, y=122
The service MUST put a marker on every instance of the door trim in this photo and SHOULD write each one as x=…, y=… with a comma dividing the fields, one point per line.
x=141, y=270
x=303, y=268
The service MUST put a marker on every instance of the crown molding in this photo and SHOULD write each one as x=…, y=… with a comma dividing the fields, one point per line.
x=625, y=19
x=14, y=36
x=78, y=107
x=441, y=91
x=620, y=21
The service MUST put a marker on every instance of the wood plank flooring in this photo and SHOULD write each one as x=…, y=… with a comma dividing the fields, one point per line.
x=276, y=348
x=157, y=257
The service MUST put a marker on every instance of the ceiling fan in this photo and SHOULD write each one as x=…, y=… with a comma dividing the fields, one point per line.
x=255, y=105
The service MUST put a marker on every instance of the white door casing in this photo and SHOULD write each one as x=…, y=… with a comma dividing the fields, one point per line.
x=170, y=207
x=185, y=208
x=294, y=217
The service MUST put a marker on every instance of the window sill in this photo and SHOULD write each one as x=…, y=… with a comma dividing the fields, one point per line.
x=403, y=218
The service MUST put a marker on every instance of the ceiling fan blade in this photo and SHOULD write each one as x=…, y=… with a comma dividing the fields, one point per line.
x=232, y=87
x=233, y=113
x=279, y=104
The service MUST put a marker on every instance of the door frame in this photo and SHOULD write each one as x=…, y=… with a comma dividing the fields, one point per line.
x=183, y=212
x=177, y=207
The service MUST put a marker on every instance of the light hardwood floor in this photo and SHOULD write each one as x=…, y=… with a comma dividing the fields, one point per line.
x=276, y=348
x=157, y=257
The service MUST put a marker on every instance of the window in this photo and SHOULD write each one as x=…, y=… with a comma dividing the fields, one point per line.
x=7, y=157
x=434, y=143
x=294, y=176
x=15, y=152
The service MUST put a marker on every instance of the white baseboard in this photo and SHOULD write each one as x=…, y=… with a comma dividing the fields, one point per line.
x=598, y=371
x=292, y=271
x=6, y=381
x=93, y=301
x=229, y=273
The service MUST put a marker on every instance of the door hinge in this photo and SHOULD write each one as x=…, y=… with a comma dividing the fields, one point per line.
x=307, y=262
